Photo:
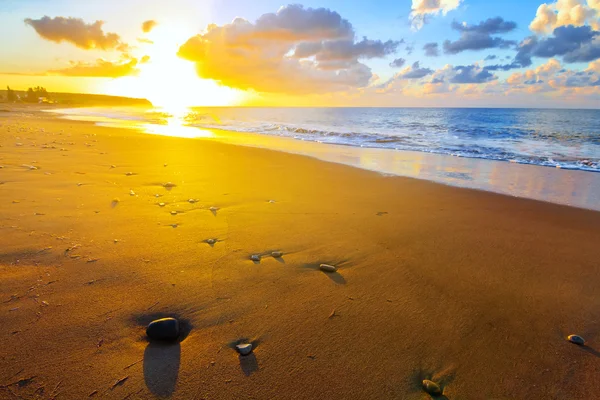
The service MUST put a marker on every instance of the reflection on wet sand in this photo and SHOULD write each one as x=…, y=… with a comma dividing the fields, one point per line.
x=570, y=187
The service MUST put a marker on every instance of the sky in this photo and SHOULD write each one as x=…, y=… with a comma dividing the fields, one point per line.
x=405, y=53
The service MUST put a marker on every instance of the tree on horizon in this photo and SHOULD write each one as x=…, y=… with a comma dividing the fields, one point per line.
x=10, y=95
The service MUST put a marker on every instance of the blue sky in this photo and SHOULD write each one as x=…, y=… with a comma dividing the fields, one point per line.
x=30, y=53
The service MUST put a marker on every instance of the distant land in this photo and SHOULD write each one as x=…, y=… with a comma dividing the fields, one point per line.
x=83, y=100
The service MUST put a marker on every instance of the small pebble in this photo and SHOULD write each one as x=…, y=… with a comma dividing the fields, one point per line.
x=211, y=241
x=169, y=185
x=244, y=348
x=255, y=257
x=129, y=173
x=327, y=268
x=192, y=201
x=277, y=254
x=431, y=387
x=163, y=329
x=131, y=193
x=214, y=209
x=112, y=166
x=576, y=339
x=271, y=201
x=173, y=212
x=161, y=204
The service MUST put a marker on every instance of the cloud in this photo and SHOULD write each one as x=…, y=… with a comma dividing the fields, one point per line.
x=574, y=44
x=77, y=32
x=550, y=16
x=471, y=74
x=147, y=26
x=100, y=69
x=423, y=9
x=296, y=50
x=491, y=57
x=553, y=77
x=398, y=63
x=478, y=37
x=345, y=49
x=415, y=72
x=431, y=49
x=144, y=40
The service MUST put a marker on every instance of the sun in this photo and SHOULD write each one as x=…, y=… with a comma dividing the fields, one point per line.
x=170, y=82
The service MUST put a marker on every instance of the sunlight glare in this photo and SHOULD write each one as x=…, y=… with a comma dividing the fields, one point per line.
x=170, y=82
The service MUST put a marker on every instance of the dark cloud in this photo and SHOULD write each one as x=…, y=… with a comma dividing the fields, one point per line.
x=491, y=26
x=491, y=57
x=296, y=50
x=77, y=32
x=478, y=37
x=346, y=49
x=398, y=63
x=147, y=26
x=471, y=74
x=574, y=44
x=503, y=67
x=583, y=79
x=416, y=72
x=431, y=49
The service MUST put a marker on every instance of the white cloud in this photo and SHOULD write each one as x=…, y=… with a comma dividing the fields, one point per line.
x=422, y=9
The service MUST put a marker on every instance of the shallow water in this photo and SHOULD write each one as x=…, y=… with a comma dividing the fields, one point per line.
x=556, y=138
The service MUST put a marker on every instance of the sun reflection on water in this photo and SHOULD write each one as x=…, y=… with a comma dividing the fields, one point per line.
x=173, y=122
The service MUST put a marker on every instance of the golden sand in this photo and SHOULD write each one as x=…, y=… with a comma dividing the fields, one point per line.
x=472, y=290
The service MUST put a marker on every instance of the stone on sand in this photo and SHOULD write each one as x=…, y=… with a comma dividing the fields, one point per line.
x=576, y=339
x=161, y=204
x=169, y=185
x=211, y=241
x=328, y=268
x=277, y=254
x=173, y=212
x=432, y=387
x=255, y=257
x=244, y=348
x=163, y=329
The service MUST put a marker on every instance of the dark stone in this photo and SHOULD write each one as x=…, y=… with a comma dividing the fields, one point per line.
x=576, y=339
x=163, y=329
x=431, y=387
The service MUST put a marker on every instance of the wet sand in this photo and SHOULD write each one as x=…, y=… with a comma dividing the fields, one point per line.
x=473, y=290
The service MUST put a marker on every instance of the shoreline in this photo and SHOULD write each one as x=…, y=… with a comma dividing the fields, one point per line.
x=522, y=180
x=434, y=281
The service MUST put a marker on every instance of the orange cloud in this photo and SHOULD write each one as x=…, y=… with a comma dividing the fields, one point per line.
x=550, y=16
x=77, y=32
x=100, y=69
x=147, y=26
x=296, y=50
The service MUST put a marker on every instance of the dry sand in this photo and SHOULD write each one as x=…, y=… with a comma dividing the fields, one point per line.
x=473, y=290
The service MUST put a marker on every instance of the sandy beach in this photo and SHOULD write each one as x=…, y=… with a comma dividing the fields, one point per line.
x=473, y=290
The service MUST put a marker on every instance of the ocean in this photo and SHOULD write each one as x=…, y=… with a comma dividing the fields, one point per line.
x=447, y=142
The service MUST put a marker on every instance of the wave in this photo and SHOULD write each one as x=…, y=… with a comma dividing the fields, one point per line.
x=411, y=142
